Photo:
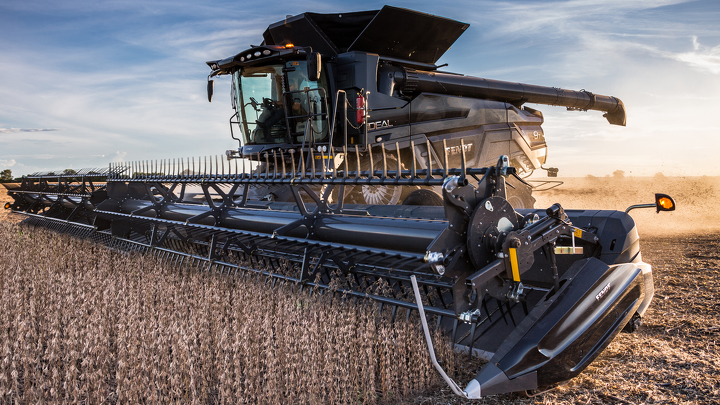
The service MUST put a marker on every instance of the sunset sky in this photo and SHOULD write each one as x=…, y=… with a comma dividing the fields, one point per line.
x=84, y=83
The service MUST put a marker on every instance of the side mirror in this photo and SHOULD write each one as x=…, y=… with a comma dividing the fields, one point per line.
x=210, y=88
x=314, y=66
x=663, y=202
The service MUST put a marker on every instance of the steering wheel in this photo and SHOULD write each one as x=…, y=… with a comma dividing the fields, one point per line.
x=268, y=103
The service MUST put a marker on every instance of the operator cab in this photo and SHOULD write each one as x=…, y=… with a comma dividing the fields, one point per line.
x=279, y=98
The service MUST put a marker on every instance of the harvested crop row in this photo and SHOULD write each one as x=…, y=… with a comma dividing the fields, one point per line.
x=82, y=323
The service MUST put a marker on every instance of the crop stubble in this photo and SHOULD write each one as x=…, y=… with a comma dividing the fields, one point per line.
x=80, y=322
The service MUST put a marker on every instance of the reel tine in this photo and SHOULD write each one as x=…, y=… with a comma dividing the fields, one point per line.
x=413, y=172
x=282, y=159
x=322, y=164
x=357, y=158
x=512, y=318
x=445, y=162
x=453, y=336
x=384, y=157
x=302, y=164
x=258, y=167
x=312, y=161
x=292, y=162
x=275, y=166
x=397, y=150
x=345, y=162
x=472, y=340
x=372, y=168
x=267, y=165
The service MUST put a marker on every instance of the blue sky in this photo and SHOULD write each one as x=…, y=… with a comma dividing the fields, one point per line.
x=84, y=83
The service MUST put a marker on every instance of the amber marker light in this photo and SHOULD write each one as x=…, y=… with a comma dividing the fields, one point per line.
x=7, y=206
x=289, y=46
x=664, y=202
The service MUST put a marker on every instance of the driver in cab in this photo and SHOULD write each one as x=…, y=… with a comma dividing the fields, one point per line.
x=275, y=113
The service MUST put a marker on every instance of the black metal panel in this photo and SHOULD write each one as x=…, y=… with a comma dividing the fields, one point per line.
x=563, y=334
x=299, y=30
x=392, y=32
x=410, y=35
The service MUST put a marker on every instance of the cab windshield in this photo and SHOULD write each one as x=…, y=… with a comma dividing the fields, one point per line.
x=257, y=97
x=269, y=104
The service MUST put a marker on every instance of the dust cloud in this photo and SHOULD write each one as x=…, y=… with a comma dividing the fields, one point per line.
x=695, y=199
x=3, y=199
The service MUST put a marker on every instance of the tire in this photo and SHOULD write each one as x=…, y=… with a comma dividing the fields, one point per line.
x=283, y=193
x=519, y=194
x=378, y=195
x=423, y=197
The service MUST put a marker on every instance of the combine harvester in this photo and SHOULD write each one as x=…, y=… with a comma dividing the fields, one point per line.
x=539, y=293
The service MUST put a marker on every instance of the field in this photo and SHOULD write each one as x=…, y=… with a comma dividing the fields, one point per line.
x=91, y=324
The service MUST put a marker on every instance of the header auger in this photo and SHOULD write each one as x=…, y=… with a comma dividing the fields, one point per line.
x=416, y=187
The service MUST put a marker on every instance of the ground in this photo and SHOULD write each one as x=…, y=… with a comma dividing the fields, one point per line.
x=674, y=356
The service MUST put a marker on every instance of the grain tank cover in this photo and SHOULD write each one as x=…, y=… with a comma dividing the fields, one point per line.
x=391, y=32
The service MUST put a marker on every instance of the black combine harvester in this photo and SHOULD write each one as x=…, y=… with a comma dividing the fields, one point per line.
x=537, y=293
x=377, y=68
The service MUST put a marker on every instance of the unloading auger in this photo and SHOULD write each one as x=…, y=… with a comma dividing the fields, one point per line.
x=537, y=293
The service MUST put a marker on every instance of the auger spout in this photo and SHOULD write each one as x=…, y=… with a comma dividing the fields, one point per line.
x=411, y=81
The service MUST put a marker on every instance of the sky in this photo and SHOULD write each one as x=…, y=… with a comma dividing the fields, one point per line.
x=85, y=83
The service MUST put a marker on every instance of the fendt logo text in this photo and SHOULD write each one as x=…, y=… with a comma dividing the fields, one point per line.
x=602, y=292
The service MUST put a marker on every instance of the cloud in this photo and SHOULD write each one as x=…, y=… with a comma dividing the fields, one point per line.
x=7, y=163
x=701, y=58
x=15, y=130
x=116, y=157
